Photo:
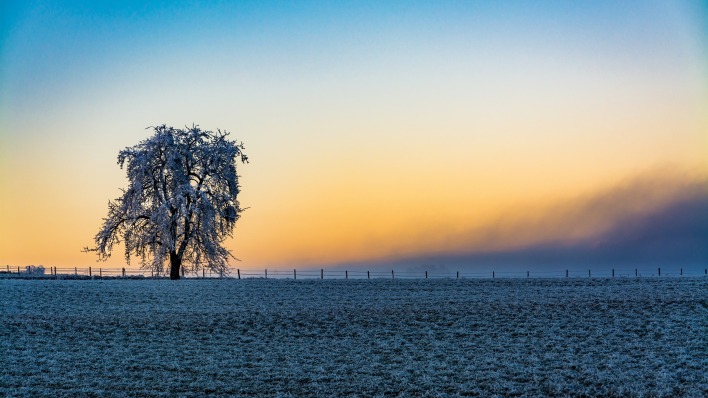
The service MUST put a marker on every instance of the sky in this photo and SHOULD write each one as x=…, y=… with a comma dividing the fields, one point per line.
x=408, y=134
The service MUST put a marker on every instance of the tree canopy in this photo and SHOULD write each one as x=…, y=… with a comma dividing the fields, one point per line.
x=180, y=204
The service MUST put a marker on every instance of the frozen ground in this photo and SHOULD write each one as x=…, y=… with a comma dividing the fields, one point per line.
x=576, y=337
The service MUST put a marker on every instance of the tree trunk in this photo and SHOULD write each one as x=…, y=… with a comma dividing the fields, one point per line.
x=175, y=263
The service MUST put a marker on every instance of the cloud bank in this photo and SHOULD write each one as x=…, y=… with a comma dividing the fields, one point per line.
x=646, y=222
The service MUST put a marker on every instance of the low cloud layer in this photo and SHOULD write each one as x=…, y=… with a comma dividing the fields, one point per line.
x=649, y=221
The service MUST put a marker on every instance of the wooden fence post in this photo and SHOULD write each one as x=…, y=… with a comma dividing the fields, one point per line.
x=238, y=271
x=91, y=275
x=493, y=275
x=368, y=276
x=589, y=274
x=392, y=275
x=294, y=273
x=123, y=272
x=458, y=274
x=18, y=270
x=681, y=271
x=636, y=272
x=76, y=271
x=659, y=271
x=266, y=273
x=566, y=273
x=346, y=274
x=613, y=272
x=426, y=274
x=321, y=273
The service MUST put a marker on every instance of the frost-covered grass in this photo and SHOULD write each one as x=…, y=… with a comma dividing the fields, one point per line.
x=575, y=337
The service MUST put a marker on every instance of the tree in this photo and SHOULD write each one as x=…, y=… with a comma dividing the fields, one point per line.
x=180, y=204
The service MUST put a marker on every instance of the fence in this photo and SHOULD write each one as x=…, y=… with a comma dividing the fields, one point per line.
x=237, y=273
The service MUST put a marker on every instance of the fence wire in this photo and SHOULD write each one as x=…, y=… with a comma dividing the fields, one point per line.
x=309, y=273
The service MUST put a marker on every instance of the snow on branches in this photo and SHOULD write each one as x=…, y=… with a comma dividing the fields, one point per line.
x=180, y=203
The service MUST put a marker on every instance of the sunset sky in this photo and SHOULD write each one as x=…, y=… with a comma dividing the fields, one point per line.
x=379, y=132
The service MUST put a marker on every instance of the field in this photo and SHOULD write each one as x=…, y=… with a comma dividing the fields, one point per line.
x=379, y=338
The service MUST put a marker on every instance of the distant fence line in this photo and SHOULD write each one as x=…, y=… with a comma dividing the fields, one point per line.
x=237, y=273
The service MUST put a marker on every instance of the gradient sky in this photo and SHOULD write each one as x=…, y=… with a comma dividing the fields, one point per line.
x=377, y=131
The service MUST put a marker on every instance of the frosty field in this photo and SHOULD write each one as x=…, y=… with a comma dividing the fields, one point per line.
x=509, y=337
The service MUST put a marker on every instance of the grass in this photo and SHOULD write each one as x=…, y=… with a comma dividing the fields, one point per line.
x=380, y=338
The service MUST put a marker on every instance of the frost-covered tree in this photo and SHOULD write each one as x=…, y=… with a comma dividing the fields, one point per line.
x=180, y=204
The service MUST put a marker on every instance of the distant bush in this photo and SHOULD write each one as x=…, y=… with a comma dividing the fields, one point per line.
x=34, y=270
